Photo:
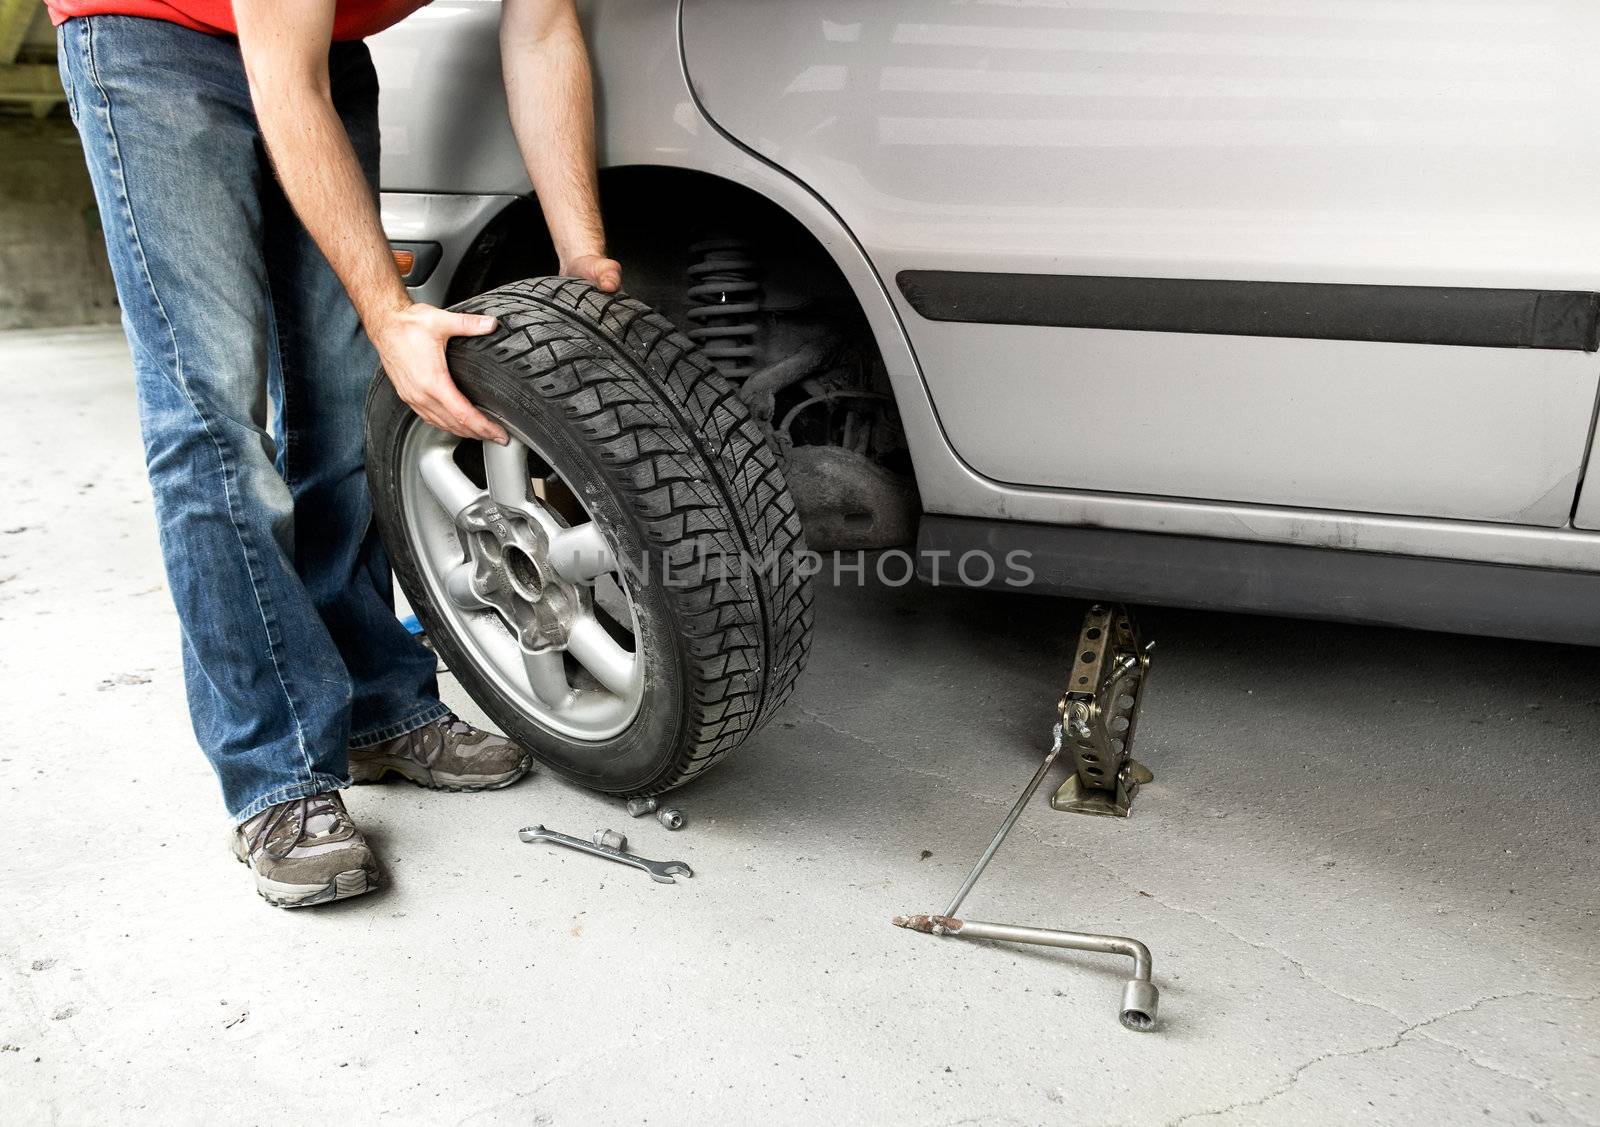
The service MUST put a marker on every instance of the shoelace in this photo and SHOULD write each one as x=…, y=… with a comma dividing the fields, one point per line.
x=304, y=809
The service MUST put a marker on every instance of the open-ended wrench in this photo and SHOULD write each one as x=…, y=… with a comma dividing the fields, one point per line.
x=662, y=871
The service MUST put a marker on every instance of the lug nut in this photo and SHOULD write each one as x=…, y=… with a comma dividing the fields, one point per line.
x=639, y=807
x=611, y=839
x=671, y=818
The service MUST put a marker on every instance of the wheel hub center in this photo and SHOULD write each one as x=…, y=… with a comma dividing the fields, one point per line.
x=511, y=572
x=524, y=573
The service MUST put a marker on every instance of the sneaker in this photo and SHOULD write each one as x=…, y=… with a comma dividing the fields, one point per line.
x=448, y=754
x=306, y=851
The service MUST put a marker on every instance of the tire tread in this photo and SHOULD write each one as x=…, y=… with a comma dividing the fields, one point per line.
x=697, y=472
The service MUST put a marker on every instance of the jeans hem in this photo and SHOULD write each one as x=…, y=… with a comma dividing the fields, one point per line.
x=374, y=736
x=317, y=784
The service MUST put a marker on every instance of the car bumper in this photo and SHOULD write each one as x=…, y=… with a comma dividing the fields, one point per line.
x=441, y=231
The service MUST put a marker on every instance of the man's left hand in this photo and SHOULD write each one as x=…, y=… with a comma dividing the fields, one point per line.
x=603, y=272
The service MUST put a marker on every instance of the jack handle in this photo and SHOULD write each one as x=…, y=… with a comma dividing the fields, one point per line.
x=1139, y=997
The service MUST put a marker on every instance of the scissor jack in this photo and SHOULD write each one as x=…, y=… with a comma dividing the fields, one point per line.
x=1098, y=715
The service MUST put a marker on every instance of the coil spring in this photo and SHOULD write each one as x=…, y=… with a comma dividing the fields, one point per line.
x=724, y=298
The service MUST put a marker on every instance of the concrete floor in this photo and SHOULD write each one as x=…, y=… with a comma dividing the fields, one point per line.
x=1367, y=869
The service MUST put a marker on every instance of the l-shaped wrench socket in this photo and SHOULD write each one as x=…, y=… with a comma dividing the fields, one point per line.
x=1139, y=997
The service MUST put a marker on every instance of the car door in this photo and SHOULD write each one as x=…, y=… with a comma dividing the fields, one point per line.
x=1332, y=254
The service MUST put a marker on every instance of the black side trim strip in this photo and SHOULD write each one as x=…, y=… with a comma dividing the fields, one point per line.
x=1324, y=311
x=1462, y=596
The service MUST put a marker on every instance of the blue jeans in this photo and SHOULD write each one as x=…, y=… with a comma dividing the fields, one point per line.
x=252, y=372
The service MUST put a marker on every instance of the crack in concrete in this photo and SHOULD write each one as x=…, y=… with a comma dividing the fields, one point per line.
x=823, y=722
x=1271, y=950
x=1473, y=1059
x=1530, y=1081
x=1289, y=1082
x=1394, y=1042
x=562, y=1070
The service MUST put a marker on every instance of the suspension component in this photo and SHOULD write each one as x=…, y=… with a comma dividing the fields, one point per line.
x=724, y=301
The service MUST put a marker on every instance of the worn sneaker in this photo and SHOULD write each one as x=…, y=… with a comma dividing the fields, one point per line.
x=306, y=851
x=448, y=754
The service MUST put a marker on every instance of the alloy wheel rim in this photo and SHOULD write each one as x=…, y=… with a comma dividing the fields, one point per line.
x=527, y=593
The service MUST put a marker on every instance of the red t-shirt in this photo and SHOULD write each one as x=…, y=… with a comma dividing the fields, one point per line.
x=353, y=19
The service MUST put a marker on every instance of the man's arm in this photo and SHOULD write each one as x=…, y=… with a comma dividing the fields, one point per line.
x=285, y=48
x=551, y=97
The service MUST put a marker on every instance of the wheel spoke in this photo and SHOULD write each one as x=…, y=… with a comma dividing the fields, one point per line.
x=581, y=554
x=507, y=469
x=458, y=585
x=453, y=489
x=547, y=677
x=599, y=653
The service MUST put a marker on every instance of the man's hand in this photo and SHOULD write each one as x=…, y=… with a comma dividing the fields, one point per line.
x=596, y=269
x=551, y=97
x=410, y=342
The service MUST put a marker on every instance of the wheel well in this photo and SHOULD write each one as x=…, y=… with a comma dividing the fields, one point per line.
x=770, y=307
x=654, y=215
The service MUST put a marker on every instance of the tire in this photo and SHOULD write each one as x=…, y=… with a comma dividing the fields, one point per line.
x=621, y=417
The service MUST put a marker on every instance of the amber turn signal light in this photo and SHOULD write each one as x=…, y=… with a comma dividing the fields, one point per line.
x=404, y=260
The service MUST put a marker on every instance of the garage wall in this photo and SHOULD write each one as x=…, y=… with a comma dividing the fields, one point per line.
x=53, y=268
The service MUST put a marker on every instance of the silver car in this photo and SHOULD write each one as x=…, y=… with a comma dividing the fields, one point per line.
x=1266, y=306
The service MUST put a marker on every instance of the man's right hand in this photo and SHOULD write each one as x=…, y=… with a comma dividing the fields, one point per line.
x=410, y=342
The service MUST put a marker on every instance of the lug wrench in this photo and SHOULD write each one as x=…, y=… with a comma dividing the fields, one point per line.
x=1139, y=996
x=662, y=871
